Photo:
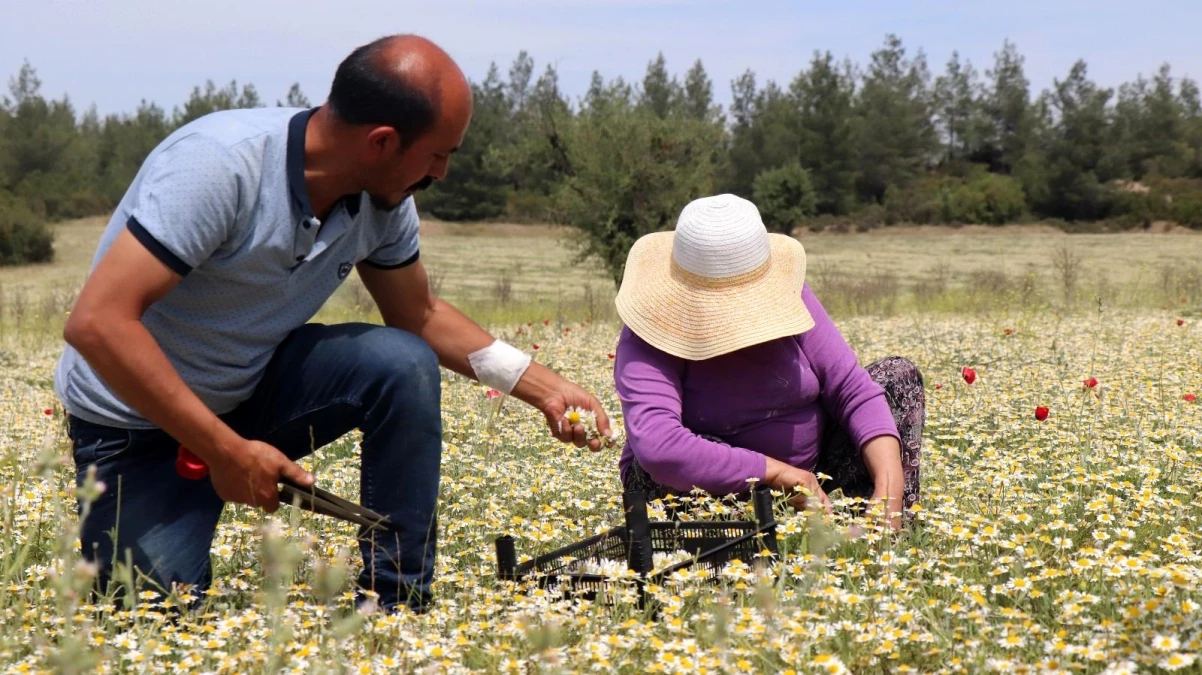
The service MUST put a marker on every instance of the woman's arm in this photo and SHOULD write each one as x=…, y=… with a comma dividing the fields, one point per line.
x=848, y=392
x=649, y=385
x=856, y=402
x=882, y=456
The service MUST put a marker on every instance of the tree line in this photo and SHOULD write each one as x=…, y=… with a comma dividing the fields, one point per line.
x=841, y=144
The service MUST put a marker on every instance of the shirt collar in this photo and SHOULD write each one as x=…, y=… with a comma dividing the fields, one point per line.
x=296, y=161
x=295, y=167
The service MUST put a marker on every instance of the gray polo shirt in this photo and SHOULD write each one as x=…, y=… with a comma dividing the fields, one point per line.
x=223, y=202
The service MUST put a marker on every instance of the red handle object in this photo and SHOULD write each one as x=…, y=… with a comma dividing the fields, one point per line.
x=189, y=465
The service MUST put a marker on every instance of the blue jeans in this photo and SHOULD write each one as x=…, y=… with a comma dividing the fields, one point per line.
x=322, y=382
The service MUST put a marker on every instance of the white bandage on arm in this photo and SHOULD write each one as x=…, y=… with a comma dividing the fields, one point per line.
x=499, y=365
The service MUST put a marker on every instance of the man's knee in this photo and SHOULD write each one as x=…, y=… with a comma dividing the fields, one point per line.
x=400, y=357
x=155, y=547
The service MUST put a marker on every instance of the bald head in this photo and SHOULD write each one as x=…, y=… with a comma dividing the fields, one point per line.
x=400, y=107
x=403, y=81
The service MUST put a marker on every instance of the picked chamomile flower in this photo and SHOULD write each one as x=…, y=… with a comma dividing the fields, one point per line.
x=588, y=419
x=576, y=416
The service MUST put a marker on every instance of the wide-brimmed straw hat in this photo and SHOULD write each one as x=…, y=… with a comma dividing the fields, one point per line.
x=720, y=282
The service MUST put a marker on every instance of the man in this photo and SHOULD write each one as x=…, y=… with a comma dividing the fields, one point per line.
x=192, y=327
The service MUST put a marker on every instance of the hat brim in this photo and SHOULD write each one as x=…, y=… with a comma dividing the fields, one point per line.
x=672, y=312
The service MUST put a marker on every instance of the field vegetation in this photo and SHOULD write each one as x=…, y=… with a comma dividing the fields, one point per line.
x=1067, y=545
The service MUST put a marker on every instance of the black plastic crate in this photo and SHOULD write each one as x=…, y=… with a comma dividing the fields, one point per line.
x=711, y=543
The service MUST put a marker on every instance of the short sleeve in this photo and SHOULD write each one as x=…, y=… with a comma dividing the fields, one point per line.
x=187, y=202
x=399, y=246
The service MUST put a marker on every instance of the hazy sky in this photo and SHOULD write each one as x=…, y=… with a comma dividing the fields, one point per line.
x=115, y=53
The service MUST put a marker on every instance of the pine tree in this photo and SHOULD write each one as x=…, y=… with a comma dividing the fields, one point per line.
x=1076, y=146
x=660, y=91
x=957, y=102
x=475, y=188
x=823, y=96
x=1008, y=125
x=295, y=98
x=895, y=136
x=699, y=94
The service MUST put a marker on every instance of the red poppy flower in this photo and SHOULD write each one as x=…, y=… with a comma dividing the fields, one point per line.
x=492, y=393
x=1041, y=413
x=535, y=347
x=1190, y=398
x=546, y=322
x=48, y=411
x=611, y=356
x=969, y=375
x=938, y=387
x=1180, y=322
x=1091, y=383
x=1008, y=331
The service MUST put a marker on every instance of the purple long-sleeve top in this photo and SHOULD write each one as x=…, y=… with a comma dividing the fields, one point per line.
x=773, y=399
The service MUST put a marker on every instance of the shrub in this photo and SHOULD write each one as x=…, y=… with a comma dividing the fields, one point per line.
x=24, y=237
x=1138, y=208
x=918, y=202
x=629, y=173
x=989, y=199
x=981, y=198
x=529, y=207
x=785, y=197
x=467, y=201
x=1187, y=210
x=870, y=217
x=1181, y=200
x=1175, y=199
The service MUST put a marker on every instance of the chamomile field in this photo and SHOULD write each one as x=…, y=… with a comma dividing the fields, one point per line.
x=1069, y=544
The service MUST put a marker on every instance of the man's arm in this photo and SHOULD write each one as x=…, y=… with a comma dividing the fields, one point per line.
x=405, y=302
x=105, y=327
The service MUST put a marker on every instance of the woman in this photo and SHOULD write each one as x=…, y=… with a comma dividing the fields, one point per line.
x=729, y=371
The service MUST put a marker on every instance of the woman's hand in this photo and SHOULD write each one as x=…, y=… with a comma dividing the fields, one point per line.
x=882, y=456
x=785, y=477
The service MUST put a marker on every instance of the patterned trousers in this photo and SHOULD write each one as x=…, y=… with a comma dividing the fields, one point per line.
x=838, y=457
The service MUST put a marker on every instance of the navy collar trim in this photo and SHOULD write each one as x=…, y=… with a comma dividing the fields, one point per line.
x=295, y=165
x=351, y=202
x=295, y=161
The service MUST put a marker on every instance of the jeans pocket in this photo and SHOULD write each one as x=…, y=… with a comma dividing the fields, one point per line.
x=96, y=444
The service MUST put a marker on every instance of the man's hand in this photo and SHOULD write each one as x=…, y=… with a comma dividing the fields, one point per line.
x=250, y=474
x=564, y=396
x=785, y=477
x=546, y=390
x=404, y=298
x=106, y=328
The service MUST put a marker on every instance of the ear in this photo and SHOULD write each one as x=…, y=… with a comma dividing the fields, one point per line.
x=384, y=142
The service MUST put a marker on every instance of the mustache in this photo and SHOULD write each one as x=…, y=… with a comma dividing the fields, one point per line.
x=421, y=184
